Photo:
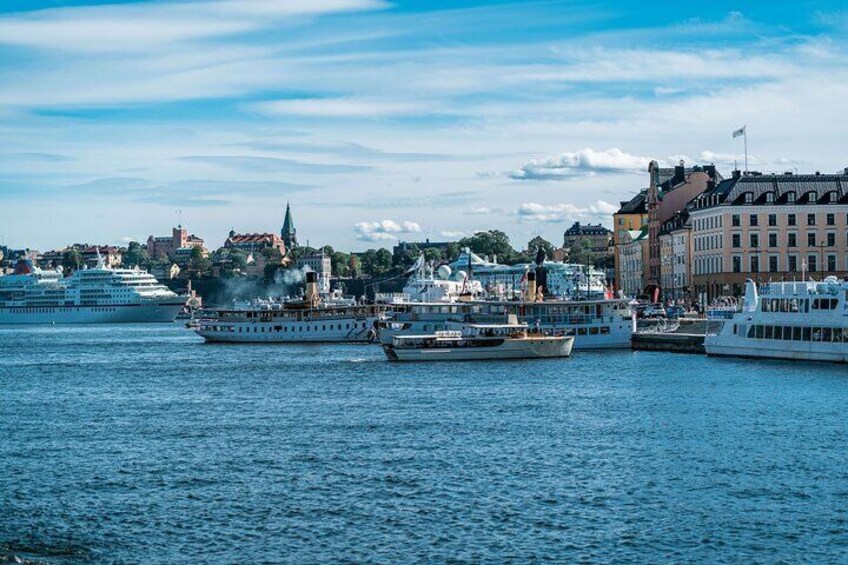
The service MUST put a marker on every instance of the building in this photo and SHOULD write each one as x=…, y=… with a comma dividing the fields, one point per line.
x=166, y=247
x=632, y=252
x=669, y=192
x=631, y=217
x=289, y=233
x=676, y=257
x=404, y=246
x=255, y=242
x=112, y=256
x=165, y=271
x=595, y=238
x=320, y=263
x=768, y=227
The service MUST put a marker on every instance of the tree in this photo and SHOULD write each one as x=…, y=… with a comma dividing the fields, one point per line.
x=238, y=258
x=198, y=262
x=135, y=255
x=404, y=259
x=492, y=242
x=341, y=263
x=452, y=252
x=433, y=254
x=376, y=262
x=272, y=254
x=540, y=243
x=72, y=260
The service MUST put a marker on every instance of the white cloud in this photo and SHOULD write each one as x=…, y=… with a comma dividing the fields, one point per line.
x=384, y=230
x=535, y=212
x=338, y=107
x=453, y=234
x=585, y=162
x=480, y=211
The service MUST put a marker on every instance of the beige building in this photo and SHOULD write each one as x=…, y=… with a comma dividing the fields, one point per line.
x=768, y=227
x=633, y=253
x=676, y=253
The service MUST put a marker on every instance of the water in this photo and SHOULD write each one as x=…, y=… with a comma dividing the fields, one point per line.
x=141, y=444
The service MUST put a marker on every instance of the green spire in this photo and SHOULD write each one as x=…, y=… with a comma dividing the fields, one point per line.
x=289, y=232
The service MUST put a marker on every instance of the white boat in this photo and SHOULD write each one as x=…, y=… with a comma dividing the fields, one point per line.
x=478, y=342
x=428, y=284
x=804, y=321
x=293, y=321
x=99, y=295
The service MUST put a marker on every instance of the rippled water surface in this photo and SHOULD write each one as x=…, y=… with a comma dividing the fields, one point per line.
x=141, y=444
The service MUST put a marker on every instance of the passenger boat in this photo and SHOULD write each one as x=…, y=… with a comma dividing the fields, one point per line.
x=477, y=342
x=295, y=321
x=804, y=321
x=88, y=296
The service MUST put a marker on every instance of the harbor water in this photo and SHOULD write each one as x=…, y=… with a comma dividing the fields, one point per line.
x=142, y=444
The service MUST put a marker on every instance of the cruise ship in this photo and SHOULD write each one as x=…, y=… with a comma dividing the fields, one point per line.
x=89, y=296
x=804, y=321
x=310, y=320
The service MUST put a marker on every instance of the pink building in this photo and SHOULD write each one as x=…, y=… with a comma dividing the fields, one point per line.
x=160, y=247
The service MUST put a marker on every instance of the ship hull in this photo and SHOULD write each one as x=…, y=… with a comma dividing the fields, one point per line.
x=152, y=312
x=336, y=330
x=510, y=349
x=789, y=351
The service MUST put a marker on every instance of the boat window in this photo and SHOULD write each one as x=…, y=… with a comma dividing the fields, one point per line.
x=778, y=332
x=827, y=335
x=759, y=332
x=581, y=331
x=605, y=329
x=769, y=332
x=593, y=331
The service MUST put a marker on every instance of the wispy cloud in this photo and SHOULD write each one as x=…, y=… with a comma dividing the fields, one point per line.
x=560, y=213
x=339, y=108
x=273, y=165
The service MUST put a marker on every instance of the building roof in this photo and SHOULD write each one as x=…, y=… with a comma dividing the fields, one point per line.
x=582, y=230
x=253, y=238
x=288, y=222
x=775, y=189
x=679, y=221
x=635, y=205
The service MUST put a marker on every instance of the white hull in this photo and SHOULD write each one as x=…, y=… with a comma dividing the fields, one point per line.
x=108, y=314
x=791, y=351
x=586, y=337
x=528, y=348
x=338, y=330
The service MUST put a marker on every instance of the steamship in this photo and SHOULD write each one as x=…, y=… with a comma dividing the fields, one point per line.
x=310, y=320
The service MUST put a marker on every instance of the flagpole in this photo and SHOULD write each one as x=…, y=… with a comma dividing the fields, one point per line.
x=745, y=137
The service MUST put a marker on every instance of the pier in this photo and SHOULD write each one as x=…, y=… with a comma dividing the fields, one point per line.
x=687, y=337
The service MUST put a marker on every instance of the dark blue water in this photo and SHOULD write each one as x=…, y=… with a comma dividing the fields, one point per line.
x=141, y=444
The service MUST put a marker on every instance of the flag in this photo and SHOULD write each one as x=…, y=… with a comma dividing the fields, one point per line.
x=417, y=265
x=740, y=131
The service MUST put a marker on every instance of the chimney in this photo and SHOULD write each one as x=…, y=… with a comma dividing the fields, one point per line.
x=737, y=174
x=312, y=288
x=680, y=172
x=845, y=171
x=531, y=286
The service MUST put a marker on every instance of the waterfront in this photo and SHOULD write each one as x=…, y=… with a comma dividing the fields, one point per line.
x=140, y=443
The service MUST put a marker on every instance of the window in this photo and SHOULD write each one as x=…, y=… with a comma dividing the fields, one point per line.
x=811, y=239
x=769, y=197
x=737, y=264
x=831, y=263
x=831, y=239
x=754, y=220
x=754, y=240
x=790, y=219
x=749, y=197
x=831, y=218
x=735, y=220
x=811, y=219
x=772, y=240
x=773, y=264
x=793, y=263
x=792, y=239
x=736, y=240
x=812, y=263
x=772, y=219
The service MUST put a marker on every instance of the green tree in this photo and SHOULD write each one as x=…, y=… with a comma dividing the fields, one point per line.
x=72, y=260
x=272, y=254
x=238, y=258
x=492, y=242
x=198, y=262
x=452, y=252
x=433, y=254
x=135, y=255
x=341, y=264
x=539, y=242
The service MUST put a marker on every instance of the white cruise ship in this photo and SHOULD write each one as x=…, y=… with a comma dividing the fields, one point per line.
x=98, y=295
x=805, y=321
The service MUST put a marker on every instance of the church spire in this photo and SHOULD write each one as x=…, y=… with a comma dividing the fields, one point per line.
x=289, y=232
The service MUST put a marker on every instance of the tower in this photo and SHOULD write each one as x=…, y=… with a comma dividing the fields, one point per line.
x=289, y=232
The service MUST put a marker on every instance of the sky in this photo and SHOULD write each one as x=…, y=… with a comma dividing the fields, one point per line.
x=387, y=120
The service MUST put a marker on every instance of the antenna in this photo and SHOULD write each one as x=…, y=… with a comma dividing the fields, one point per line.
x=179, y=214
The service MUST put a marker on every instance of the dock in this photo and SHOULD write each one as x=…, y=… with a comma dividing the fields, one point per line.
x=687, y=337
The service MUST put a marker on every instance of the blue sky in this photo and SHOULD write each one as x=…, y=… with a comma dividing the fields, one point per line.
x=387, y=120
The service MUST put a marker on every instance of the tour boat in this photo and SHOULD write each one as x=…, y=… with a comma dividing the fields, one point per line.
x=294, y=321
x=805, y=321
x=477, y=342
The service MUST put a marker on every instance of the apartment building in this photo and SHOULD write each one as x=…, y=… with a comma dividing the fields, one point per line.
x=768, y=227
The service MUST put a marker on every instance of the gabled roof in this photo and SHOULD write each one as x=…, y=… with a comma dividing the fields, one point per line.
x=806, y=188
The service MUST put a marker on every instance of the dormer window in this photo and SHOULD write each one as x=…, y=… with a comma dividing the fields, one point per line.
x=770, y=197
x=811, y=197
x=790, y=197
x=831, y=196
x=749, y=198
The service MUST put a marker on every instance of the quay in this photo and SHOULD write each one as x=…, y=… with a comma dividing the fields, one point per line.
x=687, y=337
